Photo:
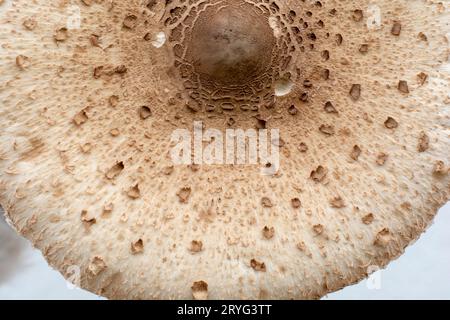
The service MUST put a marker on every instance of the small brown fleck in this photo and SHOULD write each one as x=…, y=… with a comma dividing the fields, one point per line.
x=383, y=238
x=422, y=78
x=258, y=266
x=396, y=28
x=23, y=62
x=200, y=290
x=137, y=247
x=357, y=15
x=356, y=152
x=115, y=170
x=304, y=97
x=148, y=36
x=319, y=174
x=327, y=130
x=113, y=101
x=145, y=112
x=193, y=106
x=261, y=123
x=329, y=107
x=184, y=194
x=94, y=39
x=422, y=36
x=194, y=167
x=301, y=246
x=196, y=246
x=368, y=219
x=30, y=24
x=231, y=122
x=86, y=147
x=151, y=4
x=268, y=232
x=130, y=21
x=97, y=266
x=115, y=132
x=98, y=71
x=292, y=110
x=61, y=35
x=266, y=202
x=403, y=86
x=406, y=206
x=318, y=229
x=344, y=61
x=86, y=219
x=120, y=69
x=337, y=202
x=391, y=123
x=107, y=209
x=364, y=48
x=424, y=142
x=168, y=170
x=440, y=169
x=382, y=158
x=81, y=117
x=302, y=147
x=355, y=92
x=134, y=192
x=325, y=55
x=325, y=74
x=296, y=203
x=307, y=83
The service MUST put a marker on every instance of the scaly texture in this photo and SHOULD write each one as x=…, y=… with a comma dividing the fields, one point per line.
x=86, y=116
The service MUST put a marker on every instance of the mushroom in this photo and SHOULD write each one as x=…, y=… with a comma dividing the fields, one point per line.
x=88, y=114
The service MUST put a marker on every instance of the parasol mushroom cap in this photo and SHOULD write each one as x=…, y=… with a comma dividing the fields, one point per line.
x=91, y=92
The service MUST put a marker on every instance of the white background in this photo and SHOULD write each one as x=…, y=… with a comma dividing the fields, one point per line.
x=423, y=272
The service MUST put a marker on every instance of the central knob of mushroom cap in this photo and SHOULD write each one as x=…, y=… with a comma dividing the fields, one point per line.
x=231, y=45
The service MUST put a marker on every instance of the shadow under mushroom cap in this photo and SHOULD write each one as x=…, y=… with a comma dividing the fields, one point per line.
x=90, y=95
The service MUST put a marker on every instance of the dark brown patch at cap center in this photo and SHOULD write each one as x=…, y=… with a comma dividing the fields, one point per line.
x=231, y=45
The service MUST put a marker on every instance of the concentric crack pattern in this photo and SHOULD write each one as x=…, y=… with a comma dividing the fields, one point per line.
x=229, y=54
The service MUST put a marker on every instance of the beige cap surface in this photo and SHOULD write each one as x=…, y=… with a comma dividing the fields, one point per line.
x=91, y=91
